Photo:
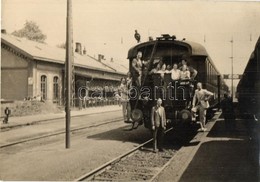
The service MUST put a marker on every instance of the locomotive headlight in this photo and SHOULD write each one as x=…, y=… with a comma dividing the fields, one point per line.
x=185, y=115
x=137, y=115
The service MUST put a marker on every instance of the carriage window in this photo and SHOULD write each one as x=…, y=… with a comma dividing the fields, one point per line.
x=44, y=87
x=55, y=89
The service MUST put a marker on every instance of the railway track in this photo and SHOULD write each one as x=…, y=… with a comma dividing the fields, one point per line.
x=137, y=164
x=58, y=133
x=7, y=128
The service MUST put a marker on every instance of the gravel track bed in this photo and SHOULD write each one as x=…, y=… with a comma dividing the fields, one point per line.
x=141, y=165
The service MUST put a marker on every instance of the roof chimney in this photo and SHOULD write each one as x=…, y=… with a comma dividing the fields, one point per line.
x=112, y=60
x=100, y=57
x=3, y=31
x=78, y=48
x=84, y=51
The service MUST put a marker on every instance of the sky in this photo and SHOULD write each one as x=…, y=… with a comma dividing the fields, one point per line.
x=107, y=26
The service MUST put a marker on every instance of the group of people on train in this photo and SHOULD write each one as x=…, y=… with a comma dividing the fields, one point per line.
x=181, y=71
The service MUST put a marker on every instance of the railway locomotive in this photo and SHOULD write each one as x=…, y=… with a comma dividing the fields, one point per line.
x=248, y=88
x=176, y=94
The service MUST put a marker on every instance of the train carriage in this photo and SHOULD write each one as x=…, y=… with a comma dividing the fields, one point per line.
x=248, y=88
x=176, y=95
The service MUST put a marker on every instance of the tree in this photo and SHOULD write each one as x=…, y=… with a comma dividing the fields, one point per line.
x=31, y=31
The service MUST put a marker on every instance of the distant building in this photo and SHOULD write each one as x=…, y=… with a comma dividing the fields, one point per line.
x=32, y=69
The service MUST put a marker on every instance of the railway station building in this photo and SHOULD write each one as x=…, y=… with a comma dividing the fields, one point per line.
x=31, y=70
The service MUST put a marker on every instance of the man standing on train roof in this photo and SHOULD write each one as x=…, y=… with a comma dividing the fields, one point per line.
x=158, y=121
x=137, y=68
x=200, y=103
x=137, y=36
x=193, y=72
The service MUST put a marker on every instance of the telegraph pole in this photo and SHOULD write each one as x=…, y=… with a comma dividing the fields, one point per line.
x=232, y=57
x=68, y=65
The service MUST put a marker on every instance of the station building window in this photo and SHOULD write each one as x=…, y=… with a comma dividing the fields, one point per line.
x=44, y=87
x=55, y=89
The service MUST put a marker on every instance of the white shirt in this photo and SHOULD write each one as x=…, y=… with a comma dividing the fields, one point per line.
x=175, y=74
x=184, y=75
x=200, y=96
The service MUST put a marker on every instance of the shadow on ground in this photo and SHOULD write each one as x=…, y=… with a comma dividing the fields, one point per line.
x=234, y=160
x=180, y=135
x=230, y=156
x=241, y=129
x=138, y=135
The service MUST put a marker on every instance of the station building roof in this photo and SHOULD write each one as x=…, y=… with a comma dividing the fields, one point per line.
x=45, y=52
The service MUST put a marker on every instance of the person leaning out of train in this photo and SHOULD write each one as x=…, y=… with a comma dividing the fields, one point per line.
x=125, y=100
x=146, y=64
x=168, y=69
x=193, y=72
x=162, y=71
x=137, y=67
x=129, y=80
x=184, y=73
x=158, y=123
x=156, y=69
x=175, y=73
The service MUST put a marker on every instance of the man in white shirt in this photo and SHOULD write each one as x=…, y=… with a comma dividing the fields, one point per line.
x=200, y=103
x=184, y=73
x=175, y=72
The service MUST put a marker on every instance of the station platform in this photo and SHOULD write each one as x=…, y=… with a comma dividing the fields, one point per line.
x=33, y=119
x=218, y=155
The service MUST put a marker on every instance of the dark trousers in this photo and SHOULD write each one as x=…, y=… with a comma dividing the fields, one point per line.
x=6, y=119
x=158, y=135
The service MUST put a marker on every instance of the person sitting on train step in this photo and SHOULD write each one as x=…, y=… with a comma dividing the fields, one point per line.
x=158, y=122
x=193, y=72
x=137, y=68
x=184, y=73
x=176, y=73
x=200, y=103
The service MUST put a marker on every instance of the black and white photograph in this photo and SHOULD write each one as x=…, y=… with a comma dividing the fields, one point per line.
x=130, y=90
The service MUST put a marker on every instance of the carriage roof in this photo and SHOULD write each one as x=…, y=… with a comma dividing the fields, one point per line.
x=196, y=48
